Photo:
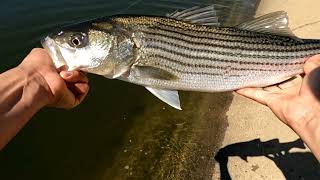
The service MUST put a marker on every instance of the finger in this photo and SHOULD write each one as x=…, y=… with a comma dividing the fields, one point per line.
x=62, y=68
x=83, y=90
x=80, y=90
x=310, y=87
x=83, y=73
x=66, y=99
x=297, y=80
x=256, y=94
x=311, y=64
x=69, y=101
x=74, y=76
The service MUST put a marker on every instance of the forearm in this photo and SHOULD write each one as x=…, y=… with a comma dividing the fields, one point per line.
x=22, y=94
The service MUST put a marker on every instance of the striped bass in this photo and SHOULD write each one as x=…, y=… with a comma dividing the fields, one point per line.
x=188, y=50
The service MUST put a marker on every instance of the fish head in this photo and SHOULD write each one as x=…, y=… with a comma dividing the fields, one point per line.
x=92, y=47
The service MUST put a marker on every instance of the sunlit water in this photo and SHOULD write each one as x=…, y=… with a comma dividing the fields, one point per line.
x=120, y=131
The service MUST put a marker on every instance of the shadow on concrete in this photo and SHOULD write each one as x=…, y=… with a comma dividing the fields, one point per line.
x=294, y=165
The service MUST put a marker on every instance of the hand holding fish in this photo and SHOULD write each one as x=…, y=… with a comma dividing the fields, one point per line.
x=67, y=90
x=296, y=103
x=33, y=84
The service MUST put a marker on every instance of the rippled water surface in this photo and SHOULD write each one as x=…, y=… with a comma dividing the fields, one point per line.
x=120, y=131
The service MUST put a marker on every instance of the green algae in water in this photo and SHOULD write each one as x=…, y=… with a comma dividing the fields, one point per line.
x=171, y=144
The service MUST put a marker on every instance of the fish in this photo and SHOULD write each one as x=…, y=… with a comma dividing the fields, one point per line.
x=186, y=50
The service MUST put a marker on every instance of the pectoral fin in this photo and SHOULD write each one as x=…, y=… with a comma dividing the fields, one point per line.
x=153, y=72
x=170, y=97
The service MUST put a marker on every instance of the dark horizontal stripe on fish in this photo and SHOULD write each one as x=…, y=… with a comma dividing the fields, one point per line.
x=240, y=54
x=226, y=31
x=265, y=39
x=224, y=67
x=223, y=60
x=223, y=31
x=233, y=44
x=146, y=22
x=182, y=27
x=193, y=73
x=159, y=22
x=149, y=21
x=211, y=36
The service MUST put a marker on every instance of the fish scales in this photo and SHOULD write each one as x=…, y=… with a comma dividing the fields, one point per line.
x=207, y=58
x=188, y=50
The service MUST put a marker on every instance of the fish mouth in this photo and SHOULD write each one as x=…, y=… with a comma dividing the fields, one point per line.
x=52, y=48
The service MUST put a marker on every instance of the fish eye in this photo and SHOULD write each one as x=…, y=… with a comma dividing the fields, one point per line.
x=78, y=40
x=75, y=41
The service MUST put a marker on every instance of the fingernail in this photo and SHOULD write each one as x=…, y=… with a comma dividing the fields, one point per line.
x=66, y=74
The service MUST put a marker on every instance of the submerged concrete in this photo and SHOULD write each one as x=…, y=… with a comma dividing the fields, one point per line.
x=167, y=144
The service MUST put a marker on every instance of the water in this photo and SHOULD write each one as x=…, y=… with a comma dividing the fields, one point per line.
x=25, y=22
x=120, y=131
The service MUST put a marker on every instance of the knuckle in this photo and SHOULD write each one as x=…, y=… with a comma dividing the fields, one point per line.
x=39, y=52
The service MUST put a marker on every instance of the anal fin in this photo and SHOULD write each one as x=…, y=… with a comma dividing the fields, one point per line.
x=171, y=97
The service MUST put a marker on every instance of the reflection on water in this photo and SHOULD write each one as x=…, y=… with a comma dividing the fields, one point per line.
x=121, y=131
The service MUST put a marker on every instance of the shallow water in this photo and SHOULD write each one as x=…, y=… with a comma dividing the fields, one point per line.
x=120, y=131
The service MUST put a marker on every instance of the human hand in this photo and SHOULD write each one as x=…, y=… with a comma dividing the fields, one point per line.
x=64, y=89
x=295, y=102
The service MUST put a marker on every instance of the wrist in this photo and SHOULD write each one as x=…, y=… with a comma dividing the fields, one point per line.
x=36, y=91
x=308, y=128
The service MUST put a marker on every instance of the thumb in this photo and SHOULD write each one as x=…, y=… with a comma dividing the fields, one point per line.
x=256, y=94
x=74, y=76
x=311, y=64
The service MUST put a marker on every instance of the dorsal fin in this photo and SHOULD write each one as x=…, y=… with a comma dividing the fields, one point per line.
x=197, y=15
x=276, y=23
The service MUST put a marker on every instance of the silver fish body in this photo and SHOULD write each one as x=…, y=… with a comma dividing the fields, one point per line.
x=186, y=51
x=205, y=58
